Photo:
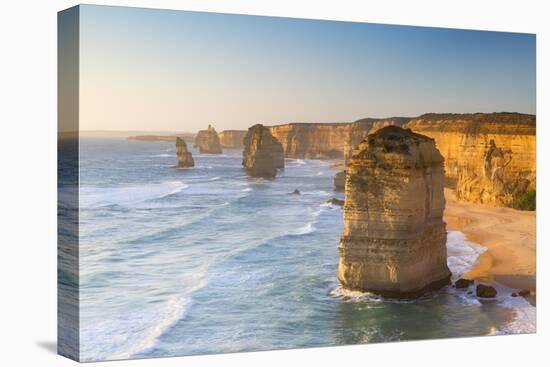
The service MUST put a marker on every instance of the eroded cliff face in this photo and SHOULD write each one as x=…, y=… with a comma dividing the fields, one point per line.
x=232, y=139
x=312, y=140
x=327, y=140
x=185, y=158
x=470, y=142
x=262, y=154
x=394, y=235
x=208, y=141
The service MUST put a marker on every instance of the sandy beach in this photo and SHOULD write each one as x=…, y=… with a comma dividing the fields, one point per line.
x=509, y=236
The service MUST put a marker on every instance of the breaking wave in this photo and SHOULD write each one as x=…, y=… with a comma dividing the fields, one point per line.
x=95, y=197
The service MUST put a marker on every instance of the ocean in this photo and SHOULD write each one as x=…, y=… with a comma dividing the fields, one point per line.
x=206, y=260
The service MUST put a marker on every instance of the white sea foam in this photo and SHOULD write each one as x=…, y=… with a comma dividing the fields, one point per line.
x=354, y=296
x=163, y=156
x=295, y=162
x=138, y=330
x=461, y=254
x=308, y=228
x=317, y=193
x=94, y=197
x=526, y=316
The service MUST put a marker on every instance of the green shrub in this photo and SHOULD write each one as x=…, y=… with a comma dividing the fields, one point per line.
x=527, y=201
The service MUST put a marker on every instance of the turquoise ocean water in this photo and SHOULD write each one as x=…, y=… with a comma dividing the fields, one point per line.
x=206, y=260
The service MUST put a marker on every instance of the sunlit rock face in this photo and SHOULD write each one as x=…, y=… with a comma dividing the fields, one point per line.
x=490, y=157
x=327, y=140
x=394, y=235
x=312, y=140
x=208, y=141
x=185, y=158
x=489, y=182
x=232, y=139
x=262, y=154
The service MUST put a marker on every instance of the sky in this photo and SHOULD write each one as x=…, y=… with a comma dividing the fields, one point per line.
x=163, y=70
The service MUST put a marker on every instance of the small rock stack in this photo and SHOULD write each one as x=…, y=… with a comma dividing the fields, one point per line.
x=185, y=158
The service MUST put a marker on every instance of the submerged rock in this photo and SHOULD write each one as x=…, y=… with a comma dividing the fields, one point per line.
x=185, y=158
x=208, y=141
x=262, y=154
x=485, y=291
x=296, y=192
x=335, y=201
x=463, y=283
x=340, y=181
x=394, y=234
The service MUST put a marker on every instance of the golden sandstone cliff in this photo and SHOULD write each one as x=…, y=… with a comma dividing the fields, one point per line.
x=312, y=140
x=207, y=141
x=394, y=235
x=491, y=157
x=262, y=154
x=185, y=158
x=327, y=140
x=232, y=139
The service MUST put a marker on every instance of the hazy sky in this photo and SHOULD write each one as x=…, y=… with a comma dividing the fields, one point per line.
x=144, y=69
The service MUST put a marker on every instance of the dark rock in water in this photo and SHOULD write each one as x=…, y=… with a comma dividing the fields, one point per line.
x=335, y=201
x=185, y=158
x=470, y=292
x=485, y=291
x=208, y=141
x=514, y=294
x=295, y=192
x=340, y=181
x=262, y=154
x=463, y=283
x=524, y=293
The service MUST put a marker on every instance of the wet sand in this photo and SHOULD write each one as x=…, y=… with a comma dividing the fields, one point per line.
x=509, y=236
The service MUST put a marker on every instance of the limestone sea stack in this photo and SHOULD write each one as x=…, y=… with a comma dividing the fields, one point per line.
x=262, y=154
x=207, y=141
x=394, y=234
x=185, y=158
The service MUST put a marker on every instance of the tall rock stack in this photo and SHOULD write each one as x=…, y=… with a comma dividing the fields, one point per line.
x=262, y=154
x=207, y=141
x=185, y=158
x=394, y=235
